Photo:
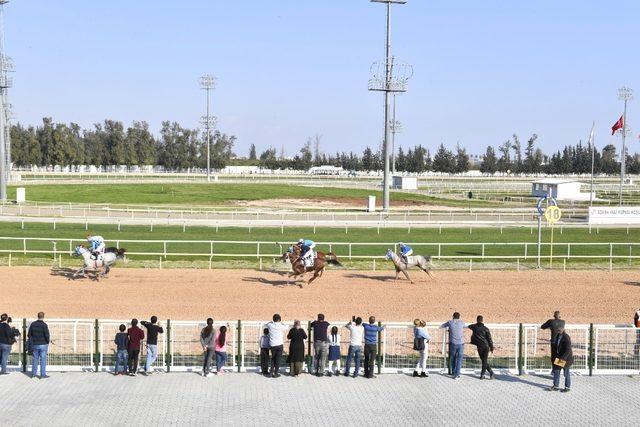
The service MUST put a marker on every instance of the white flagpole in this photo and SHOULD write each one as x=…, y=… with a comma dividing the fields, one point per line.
x=592, y=143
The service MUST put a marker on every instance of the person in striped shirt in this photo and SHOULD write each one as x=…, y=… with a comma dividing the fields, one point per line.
x=370, y=346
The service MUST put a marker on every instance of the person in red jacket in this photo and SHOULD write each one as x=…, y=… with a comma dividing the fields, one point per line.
x=135, y=336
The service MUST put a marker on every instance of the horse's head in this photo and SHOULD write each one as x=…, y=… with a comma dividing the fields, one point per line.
x=80, y=250
x=389, y=255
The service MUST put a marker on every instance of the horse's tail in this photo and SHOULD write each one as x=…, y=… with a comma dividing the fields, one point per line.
x=332, y=259
x=120, y=252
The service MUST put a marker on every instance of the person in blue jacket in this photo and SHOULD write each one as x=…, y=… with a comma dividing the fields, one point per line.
x=306, y=251
x=405, y=251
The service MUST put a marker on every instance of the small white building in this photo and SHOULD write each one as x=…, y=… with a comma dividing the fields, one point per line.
x=326, y=170
x=405, y=183
x=559, y=189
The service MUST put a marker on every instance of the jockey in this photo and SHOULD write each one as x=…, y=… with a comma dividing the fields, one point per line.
x=96, y=245
x=405, y=251
x=306, y=251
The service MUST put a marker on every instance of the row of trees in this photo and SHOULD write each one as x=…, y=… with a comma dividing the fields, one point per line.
x=109, y=143
x=178, y=148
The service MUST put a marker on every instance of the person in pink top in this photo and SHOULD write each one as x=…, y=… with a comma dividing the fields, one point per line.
x=221, y=349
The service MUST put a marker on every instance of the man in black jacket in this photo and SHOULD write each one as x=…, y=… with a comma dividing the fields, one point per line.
x=554, y=325
x=562, y=359
x=152, y=343
x=6, y=341
x=481, y=338
x=39, y=338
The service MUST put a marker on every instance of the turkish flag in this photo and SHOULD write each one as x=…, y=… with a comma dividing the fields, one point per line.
x=618, y=125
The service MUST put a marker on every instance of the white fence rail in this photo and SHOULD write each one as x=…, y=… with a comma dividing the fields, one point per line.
x=88, y=345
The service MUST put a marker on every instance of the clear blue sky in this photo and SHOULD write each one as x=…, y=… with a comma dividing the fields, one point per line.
x=289, y=69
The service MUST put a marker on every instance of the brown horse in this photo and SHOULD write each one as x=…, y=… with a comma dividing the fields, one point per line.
x=319, y=264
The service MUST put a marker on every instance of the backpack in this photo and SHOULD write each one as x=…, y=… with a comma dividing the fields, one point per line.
x=418, y=344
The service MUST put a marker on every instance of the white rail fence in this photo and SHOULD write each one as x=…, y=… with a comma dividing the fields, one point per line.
x=88, y=345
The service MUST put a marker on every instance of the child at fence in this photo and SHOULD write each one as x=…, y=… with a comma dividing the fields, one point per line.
x=121, y=341
x=420, y=344
x=207, y=340
x=221, y=349
x=334, y=352
x=264, y=352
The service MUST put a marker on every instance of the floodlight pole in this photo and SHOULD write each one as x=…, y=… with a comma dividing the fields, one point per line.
x=393, y=137
x=208, y=82
x=5, y=83
x=593, y=160
x=625, y=94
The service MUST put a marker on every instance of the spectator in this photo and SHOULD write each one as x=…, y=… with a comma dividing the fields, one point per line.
x=6, y=341
x=264, y=352
x=276, y=343
x=334, y=352
x=636, y=324
x=296, y=337
x=39, y=338
x=320, y=344
x=456, y=343
x=371, y=346
x=122, y=341
x=136, y=335
x=554, y=325
x=421, y=340
x=481, y=338
x=562, y=359
x=207, y=341
x=15, y=332
x=152, y=343
x=355, y=345
x=221, y=349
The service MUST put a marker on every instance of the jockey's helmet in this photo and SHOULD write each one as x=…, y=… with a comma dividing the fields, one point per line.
x=301, y=241
x=401, y=244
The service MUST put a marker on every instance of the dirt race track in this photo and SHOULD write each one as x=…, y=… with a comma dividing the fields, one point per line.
x=508, y=297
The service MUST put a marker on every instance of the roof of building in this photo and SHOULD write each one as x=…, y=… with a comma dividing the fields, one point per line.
x=553, y=181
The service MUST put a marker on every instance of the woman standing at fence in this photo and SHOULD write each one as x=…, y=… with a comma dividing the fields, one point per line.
x=421, y=345
x=295, y=359
x=207, y=340
x=334, y=352
x=221, y=349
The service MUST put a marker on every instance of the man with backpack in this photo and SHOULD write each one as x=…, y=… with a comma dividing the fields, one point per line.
x=7, y=339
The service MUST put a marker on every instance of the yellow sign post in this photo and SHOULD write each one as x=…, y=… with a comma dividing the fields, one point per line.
x=552, y=215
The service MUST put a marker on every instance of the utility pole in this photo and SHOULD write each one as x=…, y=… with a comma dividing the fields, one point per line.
x=384, y=80
x=624, y=94
x=6, y=65
x=396, y=127
x=208, y=82
x=592, y=142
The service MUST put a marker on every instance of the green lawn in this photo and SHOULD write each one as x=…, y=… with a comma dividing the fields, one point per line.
x=207, y=194
x=424, y=240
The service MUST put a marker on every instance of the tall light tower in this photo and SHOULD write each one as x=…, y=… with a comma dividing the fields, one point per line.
x=6, y=65
x=384, y=80
x=396, y=127
x=207, y=83
x=624, y=94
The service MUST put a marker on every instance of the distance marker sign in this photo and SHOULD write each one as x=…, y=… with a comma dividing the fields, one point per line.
x=553, y=214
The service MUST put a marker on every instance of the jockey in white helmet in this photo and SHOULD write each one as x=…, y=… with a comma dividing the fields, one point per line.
x=96, y=245
x=405, y=251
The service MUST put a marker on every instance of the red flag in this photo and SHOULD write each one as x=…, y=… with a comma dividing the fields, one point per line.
x=618, y=125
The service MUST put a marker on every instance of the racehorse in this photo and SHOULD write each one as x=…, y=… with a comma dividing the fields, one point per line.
x=104, y=261
x=423, y=263
x=319, y=264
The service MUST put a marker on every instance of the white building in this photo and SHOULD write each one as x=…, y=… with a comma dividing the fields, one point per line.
x=326, y=170
x=405, y=183
x=559, y=189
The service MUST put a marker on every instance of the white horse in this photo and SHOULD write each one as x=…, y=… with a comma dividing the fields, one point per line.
x=423, y=263
x=104, y=261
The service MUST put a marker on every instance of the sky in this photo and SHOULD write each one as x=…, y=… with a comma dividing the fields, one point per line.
x=291, y=69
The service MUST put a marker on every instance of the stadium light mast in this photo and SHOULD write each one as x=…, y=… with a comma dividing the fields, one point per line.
x=396, y=127
x=624, y=94
x=384, y=80
x=6, y=65
x=207, y=83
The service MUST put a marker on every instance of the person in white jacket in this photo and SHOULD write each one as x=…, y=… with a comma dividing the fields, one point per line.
x=421, y=340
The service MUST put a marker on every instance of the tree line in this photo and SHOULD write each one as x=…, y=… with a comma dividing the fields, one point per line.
x=177, y=148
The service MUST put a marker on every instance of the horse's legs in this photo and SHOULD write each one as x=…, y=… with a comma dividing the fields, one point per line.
x=397, y=273
x=406, y=275
x=316, y=274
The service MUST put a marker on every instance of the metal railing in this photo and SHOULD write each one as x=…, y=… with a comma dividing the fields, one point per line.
x=87, y=345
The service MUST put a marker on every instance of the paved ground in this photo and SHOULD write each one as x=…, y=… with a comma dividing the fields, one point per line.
x=249, y=399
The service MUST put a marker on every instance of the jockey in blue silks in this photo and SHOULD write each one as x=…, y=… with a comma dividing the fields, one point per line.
x=306, y=251
x=96, y=245
x=405, y=251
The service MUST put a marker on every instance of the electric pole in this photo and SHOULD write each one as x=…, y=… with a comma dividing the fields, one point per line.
x=208, y=82
x=624, y=94
x=384, y=80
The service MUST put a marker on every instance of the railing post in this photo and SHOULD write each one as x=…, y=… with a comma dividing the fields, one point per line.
x=239, y=357
x=96, y=344
x=521, y=349
x=591, y=353
x=167, y=357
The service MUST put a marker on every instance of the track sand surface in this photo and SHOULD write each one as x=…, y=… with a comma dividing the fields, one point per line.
x=507, y=297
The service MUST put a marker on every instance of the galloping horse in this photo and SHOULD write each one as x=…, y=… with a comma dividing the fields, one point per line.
x=423, y=263
x=319, y=264
x=104, y=261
